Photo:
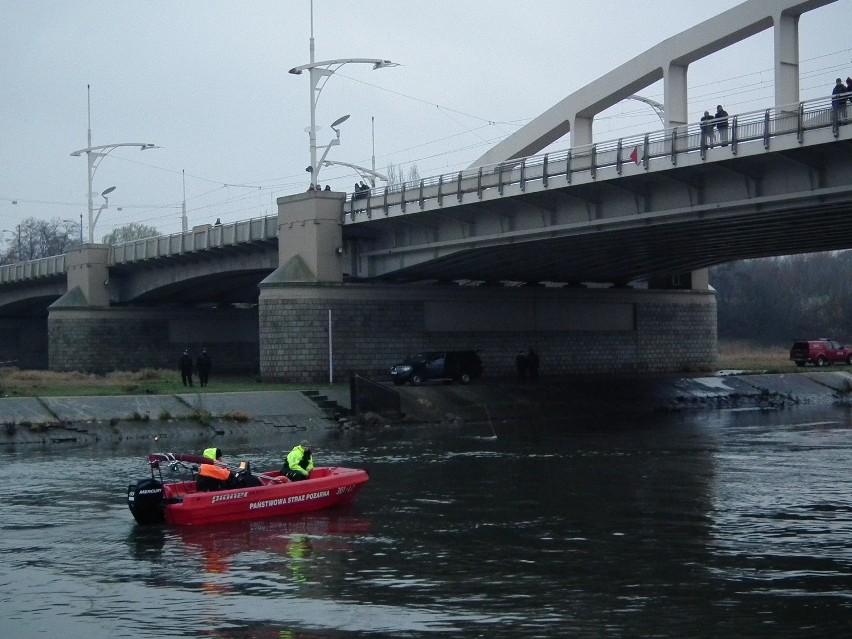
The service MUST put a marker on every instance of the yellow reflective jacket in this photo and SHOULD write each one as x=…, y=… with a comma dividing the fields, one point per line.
x=294, y=461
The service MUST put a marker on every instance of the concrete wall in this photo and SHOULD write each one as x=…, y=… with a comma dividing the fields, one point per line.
x=106, y=339
x=575, y=331
x=24, y=342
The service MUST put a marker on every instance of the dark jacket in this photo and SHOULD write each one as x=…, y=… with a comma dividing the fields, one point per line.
x=185, y=363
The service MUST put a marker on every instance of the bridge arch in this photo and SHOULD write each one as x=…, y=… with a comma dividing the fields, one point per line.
x=667, y=61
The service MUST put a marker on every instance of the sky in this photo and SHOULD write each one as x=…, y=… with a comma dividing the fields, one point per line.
x=207, y=82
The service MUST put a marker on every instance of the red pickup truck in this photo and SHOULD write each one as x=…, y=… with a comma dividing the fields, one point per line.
x=820, y=352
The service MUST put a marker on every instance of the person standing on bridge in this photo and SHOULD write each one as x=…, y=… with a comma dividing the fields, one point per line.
x=707, y=134
x=185, y=366
x=203, y=365
x=849, y=89
x=721, y=118
x=838, y=101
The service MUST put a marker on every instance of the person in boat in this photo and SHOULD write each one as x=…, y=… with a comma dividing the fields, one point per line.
x=299, y=463
x=212, y=476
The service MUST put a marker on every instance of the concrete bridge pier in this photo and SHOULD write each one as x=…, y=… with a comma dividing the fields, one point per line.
x=86, y=333
x=316, y=328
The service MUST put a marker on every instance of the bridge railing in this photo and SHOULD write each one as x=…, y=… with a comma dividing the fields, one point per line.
x=565, y=165
x=33, y=269
x=200, y=238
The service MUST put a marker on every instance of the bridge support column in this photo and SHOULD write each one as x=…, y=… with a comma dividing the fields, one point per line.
x=581, y=131
x=786, y=33
x=675, y=95
x=310, y=236
x=87, y=273
x=310, y=333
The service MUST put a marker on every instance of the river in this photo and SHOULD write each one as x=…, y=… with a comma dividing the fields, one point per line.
x=702, y=524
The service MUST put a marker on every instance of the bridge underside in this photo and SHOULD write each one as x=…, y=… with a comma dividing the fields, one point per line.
x=655, y=250
x=638, y=227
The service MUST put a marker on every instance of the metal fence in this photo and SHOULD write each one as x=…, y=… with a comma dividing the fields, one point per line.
x=566, y=165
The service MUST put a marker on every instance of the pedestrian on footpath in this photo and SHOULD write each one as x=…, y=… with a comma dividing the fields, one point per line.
x=185, y=366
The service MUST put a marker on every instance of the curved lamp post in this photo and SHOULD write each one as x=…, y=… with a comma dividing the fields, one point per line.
x=95, y=154
x=367, y=174
x=319, y=73
x=103, y=206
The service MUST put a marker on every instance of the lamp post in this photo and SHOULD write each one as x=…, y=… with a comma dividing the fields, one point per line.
x=364, y=172
x=103, y=206
x=95, y=154
x=319, y=73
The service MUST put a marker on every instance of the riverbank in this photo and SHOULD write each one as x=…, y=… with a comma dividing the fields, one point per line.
x=283, y=415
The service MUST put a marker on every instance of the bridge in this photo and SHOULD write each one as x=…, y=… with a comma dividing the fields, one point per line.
x=615, y=235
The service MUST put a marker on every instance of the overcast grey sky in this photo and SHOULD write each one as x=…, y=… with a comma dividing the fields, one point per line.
x=207, y=81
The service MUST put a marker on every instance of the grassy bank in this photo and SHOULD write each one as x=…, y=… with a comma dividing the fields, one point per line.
x=37, y=383
x=27, y=383
x=741, y=355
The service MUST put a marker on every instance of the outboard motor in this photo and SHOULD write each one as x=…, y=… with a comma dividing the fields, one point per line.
x=145, y=500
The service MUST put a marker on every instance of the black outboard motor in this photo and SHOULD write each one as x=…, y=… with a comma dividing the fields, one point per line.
x=145, y=500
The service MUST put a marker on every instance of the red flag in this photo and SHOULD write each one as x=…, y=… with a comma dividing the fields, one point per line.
x=635, y=155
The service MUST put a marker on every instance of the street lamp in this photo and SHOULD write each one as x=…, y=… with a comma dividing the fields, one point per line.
x=364, y=172
x=103, y=206
x=320, y=72
x=334, y=142
x=95, y=154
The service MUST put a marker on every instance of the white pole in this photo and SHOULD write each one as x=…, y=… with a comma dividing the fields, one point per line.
x=90, y=157
x=330, y=352
x=183, y=221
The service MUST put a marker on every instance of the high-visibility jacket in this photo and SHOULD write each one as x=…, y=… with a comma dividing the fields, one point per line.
x=296, y=461
x=211, y=469
x=214, y=472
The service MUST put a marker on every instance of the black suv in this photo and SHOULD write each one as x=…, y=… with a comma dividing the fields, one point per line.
x=448, y=366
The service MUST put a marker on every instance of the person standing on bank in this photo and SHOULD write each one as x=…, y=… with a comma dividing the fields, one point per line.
x=721, y=118
x=521, y=366
x=185, y=366
x=532, y=365
x=203, y=365
x=299, y=463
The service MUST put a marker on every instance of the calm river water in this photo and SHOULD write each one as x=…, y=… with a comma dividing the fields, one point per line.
x=710, y=524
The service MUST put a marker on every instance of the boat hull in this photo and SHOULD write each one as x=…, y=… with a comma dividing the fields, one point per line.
x=183, y=505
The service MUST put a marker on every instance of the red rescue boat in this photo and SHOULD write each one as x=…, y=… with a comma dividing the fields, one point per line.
x=153, y=501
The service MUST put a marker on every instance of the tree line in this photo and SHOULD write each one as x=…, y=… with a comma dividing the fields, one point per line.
x=34, y=239
x=777, y=300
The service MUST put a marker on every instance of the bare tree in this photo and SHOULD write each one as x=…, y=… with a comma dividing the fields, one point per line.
x=397, y=174
x=130, y=232
x=34, y=239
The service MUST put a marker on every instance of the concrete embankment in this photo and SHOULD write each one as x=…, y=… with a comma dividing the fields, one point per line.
x=288, y=415
x=557, y=398
x=88, y=420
